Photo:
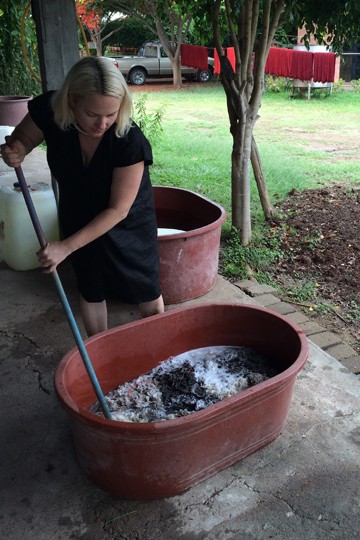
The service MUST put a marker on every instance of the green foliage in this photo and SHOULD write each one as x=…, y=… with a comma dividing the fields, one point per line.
x=238, y=260
x=354, y=313
x=149, y=122
x=356, y=85
x=326, y=17
x=15, y=76
x=281, y=38
x=320, y=17
x=275, y=84
x=128, y=32
x=338, y=86
x=316, y=93
x=164, y=19
x=301, y=291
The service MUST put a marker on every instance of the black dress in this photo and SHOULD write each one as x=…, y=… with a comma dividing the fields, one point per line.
x=123, y=263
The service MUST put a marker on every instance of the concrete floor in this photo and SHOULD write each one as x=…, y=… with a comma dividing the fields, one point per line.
x=305, y=485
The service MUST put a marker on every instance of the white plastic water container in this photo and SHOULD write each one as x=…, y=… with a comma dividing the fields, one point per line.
x=18, y=240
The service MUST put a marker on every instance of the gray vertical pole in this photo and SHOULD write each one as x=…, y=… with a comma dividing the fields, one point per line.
x=58, y=47
x=56, y=29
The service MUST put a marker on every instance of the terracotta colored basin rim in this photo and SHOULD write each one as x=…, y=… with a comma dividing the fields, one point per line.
x=186, y=210
x=189, y=260
x=123, y=346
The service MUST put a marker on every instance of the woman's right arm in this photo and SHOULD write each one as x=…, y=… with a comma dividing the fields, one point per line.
x=23, y=139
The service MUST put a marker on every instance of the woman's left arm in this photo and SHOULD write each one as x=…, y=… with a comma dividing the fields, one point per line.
x=124, y=188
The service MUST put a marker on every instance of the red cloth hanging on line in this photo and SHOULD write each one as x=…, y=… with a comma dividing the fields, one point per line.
x=302, y=65
x=279, y=62
x=230, y=53
x=194, y=56
x=217, y=66
x=324, y=67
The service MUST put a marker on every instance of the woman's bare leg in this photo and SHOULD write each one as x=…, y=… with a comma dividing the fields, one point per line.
x=154, y=307
x=94, y=316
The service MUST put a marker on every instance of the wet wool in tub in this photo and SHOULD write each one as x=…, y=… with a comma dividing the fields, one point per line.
x=187, y=383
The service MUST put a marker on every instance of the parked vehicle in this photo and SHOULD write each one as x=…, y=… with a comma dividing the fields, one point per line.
x=115, y=62
x=152, y=62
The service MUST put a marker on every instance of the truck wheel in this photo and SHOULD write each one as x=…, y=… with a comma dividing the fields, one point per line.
x=137, y=76
x=204, y=75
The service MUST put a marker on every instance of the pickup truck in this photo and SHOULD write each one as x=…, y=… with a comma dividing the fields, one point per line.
x=152, y=62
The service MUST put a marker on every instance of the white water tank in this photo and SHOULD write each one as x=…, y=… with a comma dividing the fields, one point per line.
x=18, y=240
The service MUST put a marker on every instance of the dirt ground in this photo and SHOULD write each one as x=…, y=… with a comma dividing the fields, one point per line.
x=322, y=245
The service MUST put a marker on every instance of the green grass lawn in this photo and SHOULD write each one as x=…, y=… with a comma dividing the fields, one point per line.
x=303, y=144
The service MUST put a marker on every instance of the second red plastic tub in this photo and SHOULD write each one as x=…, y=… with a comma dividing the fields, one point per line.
x=189, y=259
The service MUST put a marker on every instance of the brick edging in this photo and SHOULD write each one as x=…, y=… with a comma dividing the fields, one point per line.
x=328, y=341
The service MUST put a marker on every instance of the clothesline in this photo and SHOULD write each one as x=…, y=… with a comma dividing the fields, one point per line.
x=281, y=62
x=302, y=65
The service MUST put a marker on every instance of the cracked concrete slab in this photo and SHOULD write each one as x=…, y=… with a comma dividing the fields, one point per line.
x=304, y=485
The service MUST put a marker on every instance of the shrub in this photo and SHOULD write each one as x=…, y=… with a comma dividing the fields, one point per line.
x=339, y=86
x=356, y=85
x=17, y=80
x=275, y=84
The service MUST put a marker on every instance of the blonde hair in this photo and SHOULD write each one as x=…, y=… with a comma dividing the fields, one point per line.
x=93, y=75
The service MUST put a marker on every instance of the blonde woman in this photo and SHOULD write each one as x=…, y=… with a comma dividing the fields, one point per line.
x=100, y=159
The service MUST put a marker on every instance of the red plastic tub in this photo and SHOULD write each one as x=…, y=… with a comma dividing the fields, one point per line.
x=189, y=260
x=159, y=459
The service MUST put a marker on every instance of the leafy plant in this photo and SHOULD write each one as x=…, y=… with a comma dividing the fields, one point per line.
x=281, y=38
x=312, y=242
x=275, y=84
x=149, y=122
x=356, y=85
x=17, y=80
x=240, y=261
x=338, y=86
x=354, y=311
x=303, y=291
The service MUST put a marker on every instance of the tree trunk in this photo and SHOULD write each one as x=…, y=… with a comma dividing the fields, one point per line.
x=240, y=182
x=177, y=81
x=268, y=209
x=95, y=38
x=243, y=87
x=176, y=67
x=99, y=50
x=236, y=204
x=245, y=232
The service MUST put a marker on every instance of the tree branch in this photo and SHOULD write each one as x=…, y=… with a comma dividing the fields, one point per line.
x=246, y=46
x=234, y=41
